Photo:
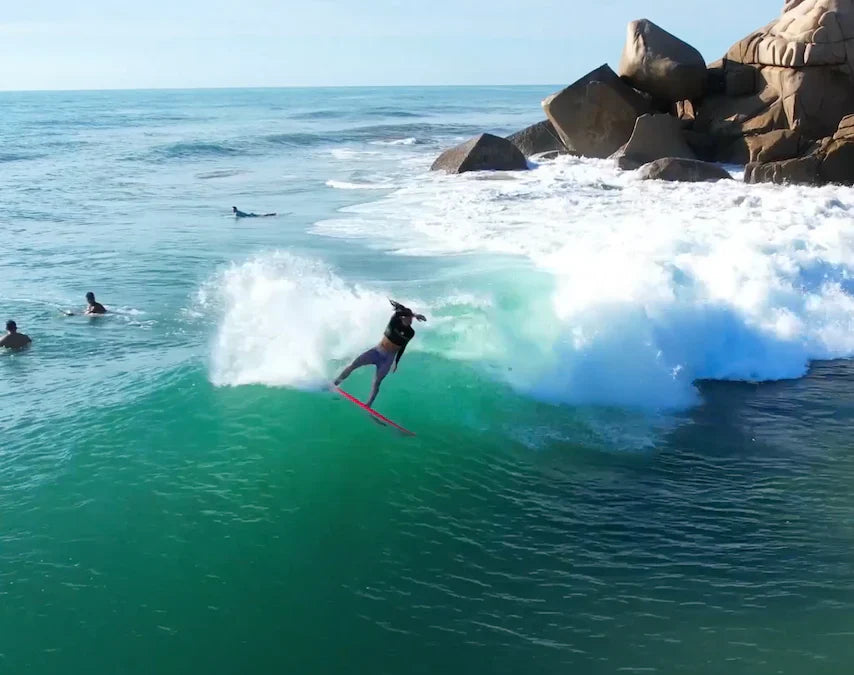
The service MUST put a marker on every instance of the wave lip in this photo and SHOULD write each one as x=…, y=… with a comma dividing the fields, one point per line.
x=284, y=320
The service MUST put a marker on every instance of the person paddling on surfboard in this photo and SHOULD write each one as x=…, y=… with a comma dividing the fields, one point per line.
x=387, y=354
x=92, y=306
x=242, y=214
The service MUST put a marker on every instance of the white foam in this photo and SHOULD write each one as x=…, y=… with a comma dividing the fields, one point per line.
x=397, y=141
x=349, y=154
x=286, y=321
x=347, y=185
x=654, y=284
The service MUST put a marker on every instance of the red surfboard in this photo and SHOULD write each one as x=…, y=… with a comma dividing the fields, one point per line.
x=373, y=413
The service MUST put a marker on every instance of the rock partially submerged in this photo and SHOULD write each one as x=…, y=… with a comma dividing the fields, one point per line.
x=654, y=137
x=829, y=161
x=684, y=170
x=482, y=153
x=538, y=138
x=661, y=64
x=778, y=96
x=596, y=114
x=799, y=171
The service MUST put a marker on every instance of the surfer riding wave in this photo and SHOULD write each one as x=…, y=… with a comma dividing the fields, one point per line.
x=387, y=354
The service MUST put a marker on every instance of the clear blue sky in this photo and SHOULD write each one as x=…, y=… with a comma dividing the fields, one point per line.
x=104, y=44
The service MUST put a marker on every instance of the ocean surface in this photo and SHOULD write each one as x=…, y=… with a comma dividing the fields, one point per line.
x=633, y=401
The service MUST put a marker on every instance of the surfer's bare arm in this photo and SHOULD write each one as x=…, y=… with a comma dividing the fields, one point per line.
x=398, y=357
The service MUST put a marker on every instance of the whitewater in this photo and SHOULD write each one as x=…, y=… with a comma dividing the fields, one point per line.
x=642, y=287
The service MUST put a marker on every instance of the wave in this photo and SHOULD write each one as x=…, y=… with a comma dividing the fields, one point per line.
x=391, y=112
x=298, y=139
x=320, y=115
x=345, y=185
x=629, y=296
x=422, y=132
x=222, y=173
x=287, y=321
x=384, y=112
x=16, y=157
x=196, y=150
x=381, y=134
x=411, y=140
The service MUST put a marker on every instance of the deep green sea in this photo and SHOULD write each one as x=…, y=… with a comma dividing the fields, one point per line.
x=632, y=401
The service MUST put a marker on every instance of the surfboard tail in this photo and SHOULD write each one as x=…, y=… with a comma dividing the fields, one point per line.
x=377, y=417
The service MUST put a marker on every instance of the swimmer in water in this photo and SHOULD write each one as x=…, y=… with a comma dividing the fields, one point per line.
x=13, y=339
x=387, y=354
x=94, y=307
x=242, y=214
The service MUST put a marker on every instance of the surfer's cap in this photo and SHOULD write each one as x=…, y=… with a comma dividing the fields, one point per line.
x=11, y=325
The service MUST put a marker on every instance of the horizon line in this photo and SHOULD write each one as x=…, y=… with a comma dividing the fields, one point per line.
x=284, y=86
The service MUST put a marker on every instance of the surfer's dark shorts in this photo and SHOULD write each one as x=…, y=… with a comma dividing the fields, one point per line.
x=378, y=357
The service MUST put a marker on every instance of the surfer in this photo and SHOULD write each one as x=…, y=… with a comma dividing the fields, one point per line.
x=94, y=307
x=13, y=339
x=387, y=354
x=242, y=214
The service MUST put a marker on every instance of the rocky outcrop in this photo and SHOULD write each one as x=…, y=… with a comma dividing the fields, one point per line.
x=728, y=118
x=596, y=114
x=482, y=153
x=803, y=62
x=800, y=171
x=685, y=170
x=837, y=164
x=661, y=64
x=772, y=146
x=537, y=138
x=830, y=160
x=654, y=137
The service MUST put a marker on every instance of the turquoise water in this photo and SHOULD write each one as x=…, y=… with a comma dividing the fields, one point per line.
x=633, y=425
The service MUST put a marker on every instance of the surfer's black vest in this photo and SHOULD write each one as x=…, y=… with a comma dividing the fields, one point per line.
x=396, y=332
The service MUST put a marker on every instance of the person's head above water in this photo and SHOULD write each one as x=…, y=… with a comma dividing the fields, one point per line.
x=234, y=209
x=90, y=297
x=11, y=326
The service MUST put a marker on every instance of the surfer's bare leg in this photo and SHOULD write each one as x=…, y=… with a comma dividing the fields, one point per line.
x=364, y=359
x=382, y=371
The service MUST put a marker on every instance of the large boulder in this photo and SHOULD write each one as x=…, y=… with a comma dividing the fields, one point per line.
x=727, y=118
x=482, y=153
x=685, y=170
x=596, y=115
x=830, y=160
x=799, y=171
x=805, y=62
x=654, y=137
x=772, y=146
x=537, y=138
x=661, y=64
x=837, y=164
